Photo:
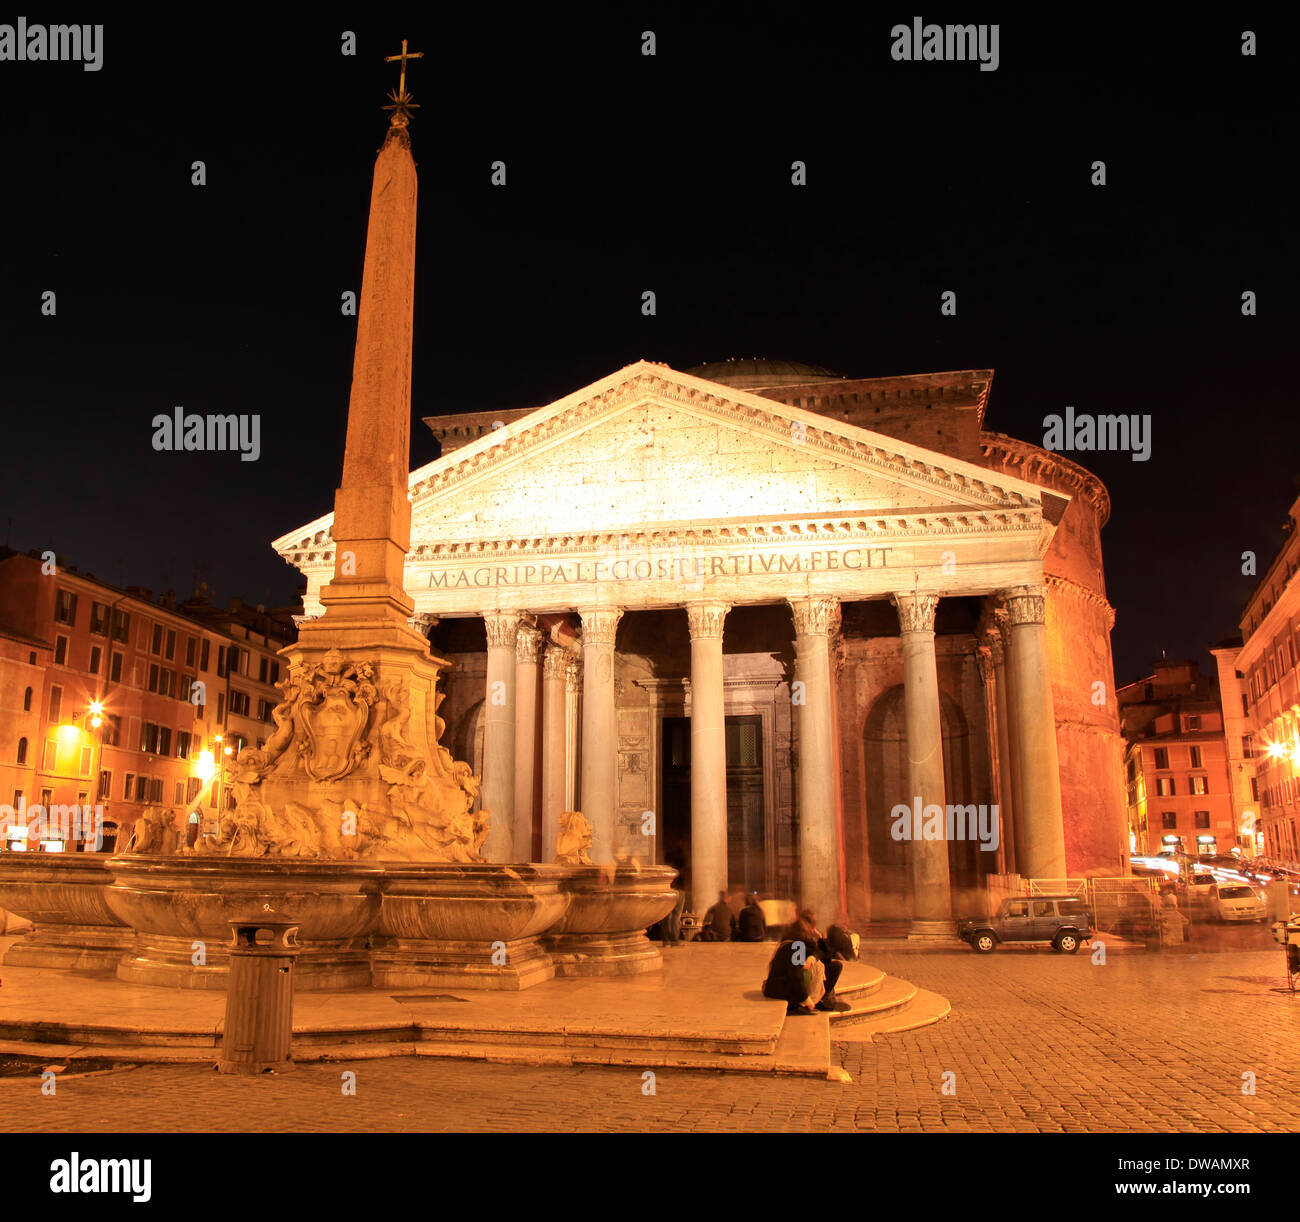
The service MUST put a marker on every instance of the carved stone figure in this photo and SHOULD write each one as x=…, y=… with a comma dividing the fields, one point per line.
x=574, y=845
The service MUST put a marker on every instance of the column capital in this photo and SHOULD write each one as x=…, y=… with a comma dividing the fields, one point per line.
x=555, y=662
x=422, y=622
x=992, y=641
x=600, y=625
x=528, y=644
x=706, y=618
x=573, y=675
x=501, y=627
x=1026, y=604
x=984, y=660
x=915, y=611
x=815, y=616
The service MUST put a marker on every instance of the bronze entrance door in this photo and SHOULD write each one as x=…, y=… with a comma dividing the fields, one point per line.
x=746, y=817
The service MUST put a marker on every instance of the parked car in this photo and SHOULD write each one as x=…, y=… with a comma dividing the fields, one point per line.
x=1239, y=902
x=1059, y=921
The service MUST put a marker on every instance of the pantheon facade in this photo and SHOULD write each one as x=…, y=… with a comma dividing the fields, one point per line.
x=740, y=615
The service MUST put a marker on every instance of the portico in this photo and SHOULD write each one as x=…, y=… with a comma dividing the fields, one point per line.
x=693, y=548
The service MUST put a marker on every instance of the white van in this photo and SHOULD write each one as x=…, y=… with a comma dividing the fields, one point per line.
x=1239, y=902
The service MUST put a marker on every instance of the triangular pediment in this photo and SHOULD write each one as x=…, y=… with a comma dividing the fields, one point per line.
x=649, y=447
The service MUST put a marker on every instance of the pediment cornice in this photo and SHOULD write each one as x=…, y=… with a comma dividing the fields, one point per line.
x=844, y=443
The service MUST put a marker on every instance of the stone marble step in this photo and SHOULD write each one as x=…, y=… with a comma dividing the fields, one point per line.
x=920, y=1010
x=890, y=995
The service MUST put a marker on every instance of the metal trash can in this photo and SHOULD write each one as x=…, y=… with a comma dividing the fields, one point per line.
x=259, y=996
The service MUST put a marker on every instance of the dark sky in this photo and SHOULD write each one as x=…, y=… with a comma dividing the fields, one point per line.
x=670, y=173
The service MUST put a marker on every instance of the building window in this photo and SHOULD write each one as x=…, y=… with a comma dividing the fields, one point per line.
x=1202, y=818
x=104, y=791
x=27, y=701
x=65, y=608
x=1162, y=757
x=179, y=791
x=183, y=744
x=47, y=798
x=126, y=787
x=149, y=737
x=50, y=763
x=1196, y=758
x=22, y=751
x=56, y=703
x=60, y=651
x=153, y=678
x=1200, y=784
x=239, y=703
x=96, y=659
x=1245, y=705
x=111, y=732
x=169, y=652
x=192, y=787
x=156, y=644
x=190, y=649
x=99, y=619
x=1194, y=721
x=115, y=670
x=204, y=655
x=1248, y=746
x=221, y=707
x=1165, y=786
x=221, y=662
x=121, y=626
x=1169, y=819
x=86, y=756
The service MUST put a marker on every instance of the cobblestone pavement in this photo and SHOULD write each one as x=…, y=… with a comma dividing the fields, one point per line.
x=1037, y=1043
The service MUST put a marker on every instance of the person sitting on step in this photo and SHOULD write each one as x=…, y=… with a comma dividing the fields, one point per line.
x=803, y=972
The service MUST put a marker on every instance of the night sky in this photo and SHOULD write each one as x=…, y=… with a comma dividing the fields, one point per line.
x=627, y=173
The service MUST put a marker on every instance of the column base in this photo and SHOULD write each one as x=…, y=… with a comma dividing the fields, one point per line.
x=934, y=933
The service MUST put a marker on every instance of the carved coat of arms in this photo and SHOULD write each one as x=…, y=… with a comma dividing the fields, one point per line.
x=333, y=710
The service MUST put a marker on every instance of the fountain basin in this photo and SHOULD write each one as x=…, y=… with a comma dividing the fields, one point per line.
x=64, y=895
x=181, y=909
x=603, y=932
x=446, y=925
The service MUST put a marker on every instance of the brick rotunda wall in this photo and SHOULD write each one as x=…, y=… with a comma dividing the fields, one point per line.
x=1079, y=621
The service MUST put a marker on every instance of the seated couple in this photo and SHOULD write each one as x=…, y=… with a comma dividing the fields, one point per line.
x=804, y=970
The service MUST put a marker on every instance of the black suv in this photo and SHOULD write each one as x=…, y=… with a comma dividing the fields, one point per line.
x=1060, y=921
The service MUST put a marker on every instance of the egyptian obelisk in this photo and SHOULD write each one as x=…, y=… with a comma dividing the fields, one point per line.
x=366, y=601
x=356, y=766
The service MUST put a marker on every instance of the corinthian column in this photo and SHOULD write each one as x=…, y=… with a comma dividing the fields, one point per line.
x=931, y=893
x=572, y=733
x=708, y=755
x=555, y=664
x=819, y=833
x=1005, y=761
x=1040, y=847
x=599, y=729
x=498, y=792
x=528, y=652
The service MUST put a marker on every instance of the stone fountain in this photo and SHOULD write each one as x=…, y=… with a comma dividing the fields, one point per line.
x=353, y=818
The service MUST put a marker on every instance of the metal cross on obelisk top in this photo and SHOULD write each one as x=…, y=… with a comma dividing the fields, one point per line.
x=400, y=98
